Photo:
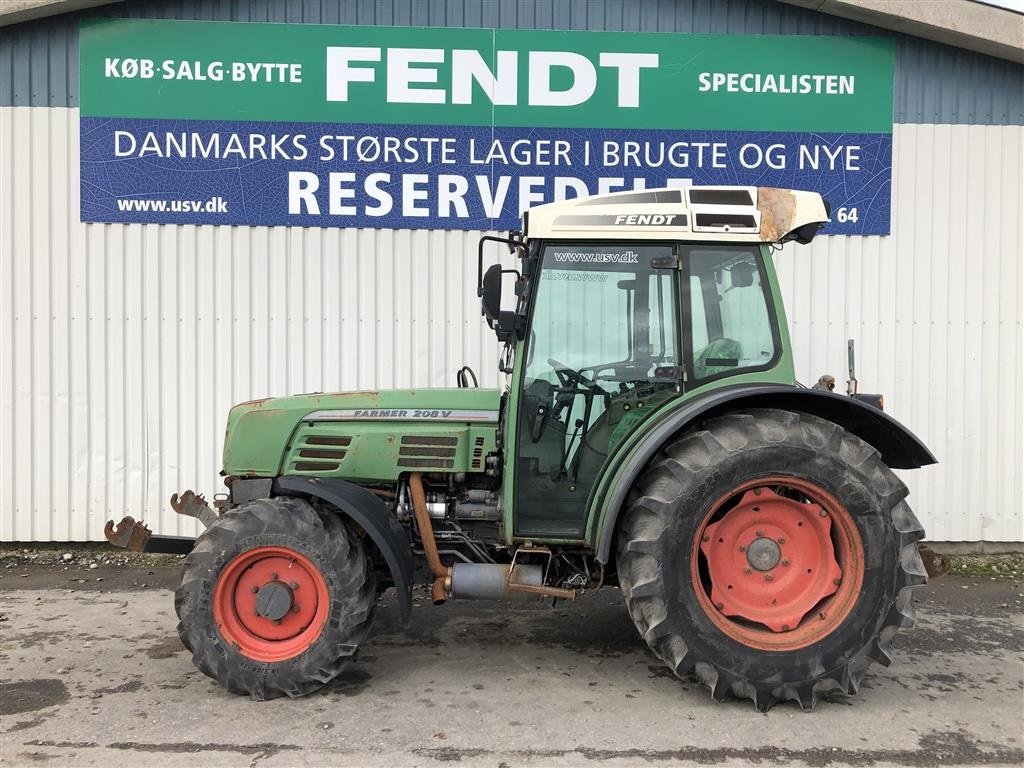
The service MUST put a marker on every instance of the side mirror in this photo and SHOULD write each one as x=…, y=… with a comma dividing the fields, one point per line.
x=507, y=325
x=490, y=294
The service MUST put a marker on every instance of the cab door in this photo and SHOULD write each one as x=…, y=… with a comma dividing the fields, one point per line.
x=602, y=350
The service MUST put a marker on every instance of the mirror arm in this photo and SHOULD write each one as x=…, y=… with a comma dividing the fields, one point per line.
x=513, y=241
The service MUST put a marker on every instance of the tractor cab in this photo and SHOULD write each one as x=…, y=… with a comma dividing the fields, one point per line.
x=624, y=303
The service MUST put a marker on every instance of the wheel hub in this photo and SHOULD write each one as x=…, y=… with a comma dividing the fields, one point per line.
x=770, y=559
x=270, y=603
x=274, y=600
x=763, y=554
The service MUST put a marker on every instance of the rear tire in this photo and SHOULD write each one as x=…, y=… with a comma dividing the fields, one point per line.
x=686, y=540
x=324, y=591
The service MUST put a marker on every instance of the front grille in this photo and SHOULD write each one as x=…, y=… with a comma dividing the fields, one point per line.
x=417, y=450
x=316, y=466
x=328, y=440
x=429, y=440
x=432, y=463
x=327, y=450
x=307, y=453
x=436, y=451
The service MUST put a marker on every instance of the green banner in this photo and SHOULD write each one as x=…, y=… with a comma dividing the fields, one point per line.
x=484, y=77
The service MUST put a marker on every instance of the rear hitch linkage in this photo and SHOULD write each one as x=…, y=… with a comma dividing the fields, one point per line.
x=193, y=504
x=137, y=537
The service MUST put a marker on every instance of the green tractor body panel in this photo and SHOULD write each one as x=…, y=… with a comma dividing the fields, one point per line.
x=363, y=436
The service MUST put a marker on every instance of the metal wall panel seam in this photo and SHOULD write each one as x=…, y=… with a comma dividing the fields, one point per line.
x=59, y=219
x=1012, y=336
x=7, y=332
x=11, y=403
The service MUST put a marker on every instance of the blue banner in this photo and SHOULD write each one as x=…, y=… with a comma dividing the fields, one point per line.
x=447, y=177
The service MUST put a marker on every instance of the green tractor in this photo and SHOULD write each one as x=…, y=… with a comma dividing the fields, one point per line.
x=652, y=436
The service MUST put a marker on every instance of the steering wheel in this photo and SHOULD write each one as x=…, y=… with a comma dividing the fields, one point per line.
x=568, y=377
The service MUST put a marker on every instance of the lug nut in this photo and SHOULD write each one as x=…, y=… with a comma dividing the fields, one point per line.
x=785, y=627
x=295, y=609
x=785, y=562
x=781, y=541
x=742, y=548
x=823, y=513
x=837, y=582
x=757, y=491
x=746, y=570
x=821, y=616
x=254, y=590
x=293, y=584
x=273, y=577
x=759, y=534
x=719, y=606
x=705, y=537
x=768, y=577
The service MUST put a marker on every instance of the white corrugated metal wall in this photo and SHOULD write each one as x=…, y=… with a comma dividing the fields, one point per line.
x=936, y=310
x=123, y=346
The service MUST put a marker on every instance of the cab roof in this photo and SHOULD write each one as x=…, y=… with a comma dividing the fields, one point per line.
x=726, y=214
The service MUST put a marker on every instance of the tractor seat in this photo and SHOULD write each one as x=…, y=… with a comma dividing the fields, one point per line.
x=719, y=349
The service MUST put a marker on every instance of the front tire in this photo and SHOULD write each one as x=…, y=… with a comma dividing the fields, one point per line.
x=275, y=598
x=771, y=554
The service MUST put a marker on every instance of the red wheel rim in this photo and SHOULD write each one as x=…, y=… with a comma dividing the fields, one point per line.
x=778, y=563
x=270, y=603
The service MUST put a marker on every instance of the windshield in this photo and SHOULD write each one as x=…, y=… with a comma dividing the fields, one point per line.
x=602, y=352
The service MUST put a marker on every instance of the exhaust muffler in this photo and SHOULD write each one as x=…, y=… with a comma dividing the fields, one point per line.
x=496, y=581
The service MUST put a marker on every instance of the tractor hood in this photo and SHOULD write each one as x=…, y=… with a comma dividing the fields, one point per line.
x=260, y=432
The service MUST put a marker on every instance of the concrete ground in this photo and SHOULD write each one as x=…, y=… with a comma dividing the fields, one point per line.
x=93, y=674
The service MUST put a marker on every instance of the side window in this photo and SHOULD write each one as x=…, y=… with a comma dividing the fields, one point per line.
x=699, y=318
x=731, y=325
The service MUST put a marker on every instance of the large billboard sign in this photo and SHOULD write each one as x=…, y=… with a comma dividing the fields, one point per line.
x=186, y=122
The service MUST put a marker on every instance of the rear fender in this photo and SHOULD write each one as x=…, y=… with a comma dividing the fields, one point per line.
x=373, y=516
x=898, y=446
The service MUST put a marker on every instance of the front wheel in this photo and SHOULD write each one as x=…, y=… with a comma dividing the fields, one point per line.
x=275, y=598
x=771, y=554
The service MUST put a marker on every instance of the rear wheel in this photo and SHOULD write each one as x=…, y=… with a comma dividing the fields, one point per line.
x=275, y=599
x=771, y=554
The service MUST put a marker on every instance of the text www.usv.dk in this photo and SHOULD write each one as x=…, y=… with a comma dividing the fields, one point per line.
x=213, y=205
